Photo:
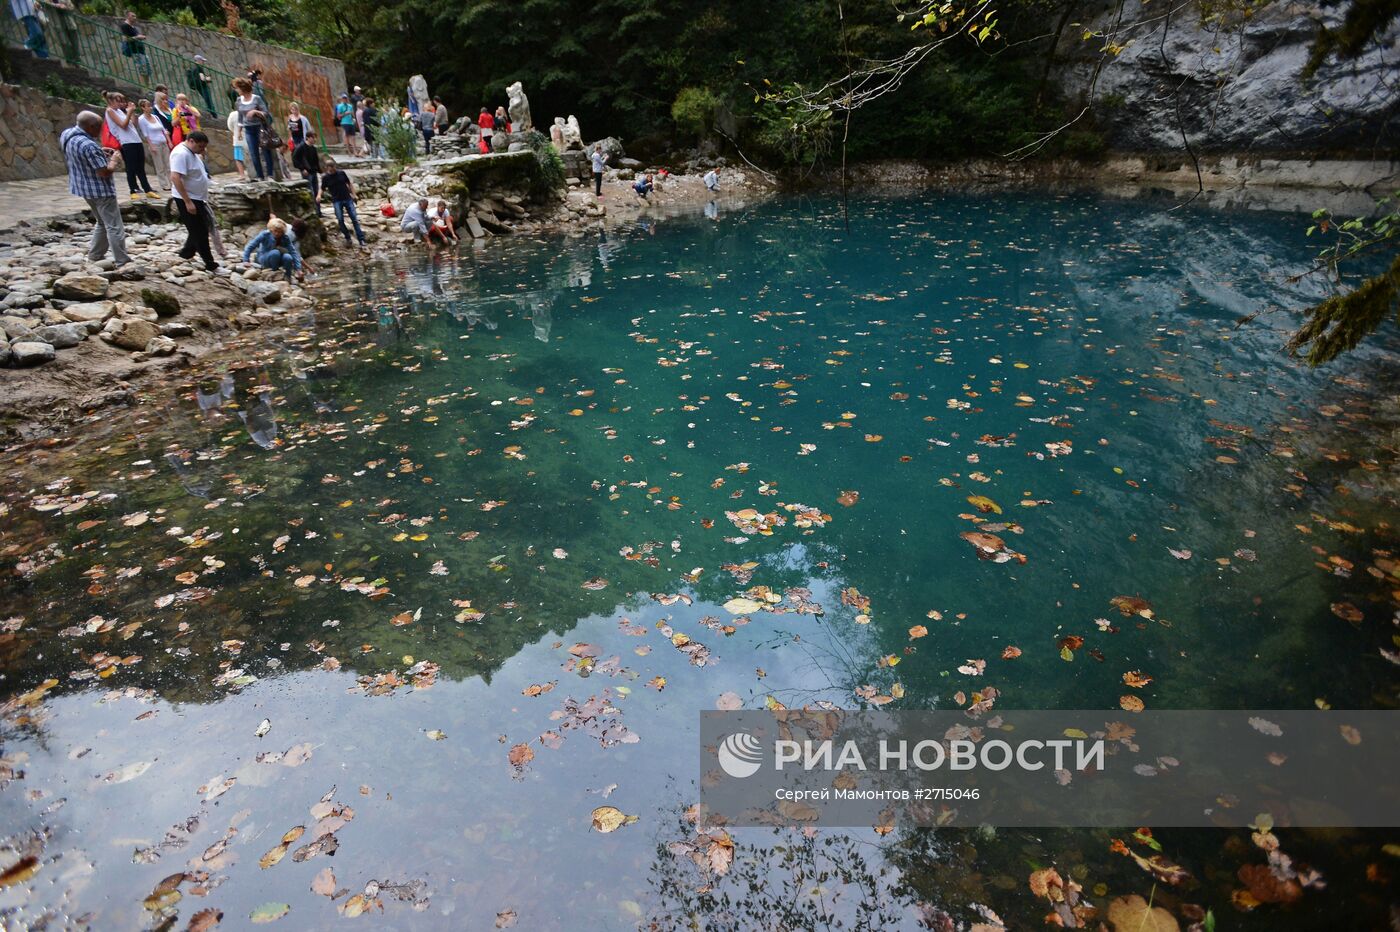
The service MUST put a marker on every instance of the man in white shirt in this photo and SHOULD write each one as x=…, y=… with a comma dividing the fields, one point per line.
x=190, y=179
x=712, y=179
x=415, y=220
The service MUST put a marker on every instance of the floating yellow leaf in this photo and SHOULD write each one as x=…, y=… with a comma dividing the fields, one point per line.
x=610, y=819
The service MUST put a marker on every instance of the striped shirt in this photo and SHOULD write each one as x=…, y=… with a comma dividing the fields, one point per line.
x=85, y=159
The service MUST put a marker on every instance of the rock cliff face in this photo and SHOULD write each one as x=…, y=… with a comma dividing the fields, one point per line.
x=1241, y=87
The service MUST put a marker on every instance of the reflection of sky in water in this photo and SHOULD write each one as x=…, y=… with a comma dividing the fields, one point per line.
x=347, y=489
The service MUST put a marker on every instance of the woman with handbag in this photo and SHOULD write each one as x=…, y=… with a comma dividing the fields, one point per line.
x=256, y=121
x=121, y=125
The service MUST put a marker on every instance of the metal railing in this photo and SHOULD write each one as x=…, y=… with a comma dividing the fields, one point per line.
x=101, y=50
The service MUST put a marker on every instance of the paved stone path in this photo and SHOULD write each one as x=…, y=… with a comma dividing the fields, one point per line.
x=48, y=198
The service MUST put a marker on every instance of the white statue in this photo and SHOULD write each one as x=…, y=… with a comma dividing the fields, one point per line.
x=556, y=133
x=573, y=136
x=519, y=109
x=418, y=87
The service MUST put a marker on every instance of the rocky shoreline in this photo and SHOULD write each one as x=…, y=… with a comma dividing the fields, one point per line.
x=78, y=337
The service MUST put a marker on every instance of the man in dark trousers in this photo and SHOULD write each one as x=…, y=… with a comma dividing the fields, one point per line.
x=307, y=160
x=199, y=81
x=190, y=180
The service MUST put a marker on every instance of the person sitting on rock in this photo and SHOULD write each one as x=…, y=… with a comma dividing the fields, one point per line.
x=643, y=186
x=276, y=248
x=415, y=221
x=442, y=226
x=711, y=179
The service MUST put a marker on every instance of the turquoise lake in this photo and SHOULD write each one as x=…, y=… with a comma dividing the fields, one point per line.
x=464, y=536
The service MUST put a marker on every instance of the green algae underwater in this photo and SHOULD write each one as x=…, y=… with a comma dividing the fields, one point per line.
x=407, y=611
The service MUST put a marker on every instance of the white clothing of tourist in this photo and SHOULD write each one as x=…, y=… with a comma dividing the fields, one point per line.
x=712, y=180
x=185, y=163
x=158, y=143
x=235, y=131
x=125, y=134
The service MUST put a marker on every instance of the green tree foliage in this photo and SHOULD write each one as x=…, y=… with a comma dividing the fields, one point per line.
x=1341, y=322
x=694, y=111
x=400, y=139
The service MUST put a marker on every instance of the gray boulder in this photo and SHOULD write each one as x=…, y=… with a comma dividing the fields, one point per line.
x=77, y=286
x=16, y=328
x=94, y=311
x=61, y=336
x=612, y=148
x=22, y=299
x=31, y=353
x=4, y=353
x=265, y=292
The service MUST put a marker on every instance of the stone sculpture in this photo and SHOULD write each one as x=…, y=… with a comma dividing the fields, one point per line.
x=556, y=133
x=520, y=121
x=573, y=136
x=418, y=87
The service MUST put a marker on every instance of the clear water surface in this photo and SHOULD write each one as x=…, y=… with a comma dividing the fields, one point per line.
x=445, y=535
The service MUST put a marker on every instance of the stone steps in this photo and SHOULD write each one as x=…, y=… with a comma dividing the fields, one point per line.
x=24, y=67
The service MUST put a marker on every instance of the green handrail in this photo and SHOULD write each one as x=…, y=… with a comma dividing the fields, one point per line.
x=98, y=48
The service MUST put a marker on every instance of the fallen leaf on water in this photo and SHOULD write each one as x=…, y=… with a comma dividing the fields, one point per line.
x=728, y=702
x=918, y=631
x=269, y=912
x=848, y=498
x=597, y=582
x=991, y=547
x=610, y=819
x=520, y=755
x=19, y=872
x=1131, y=703
x=1180, y=554
x=323, y=884
x=505, y=919
x=741, y=606
x=436, y=734
x=205, y=920
x=1347, y=612
x=1131, y=605
x=1133, y=914
x=1267, y=887
x=983, y=504
x=1265, y=727
x=1136, y=679
x=263, y=728
x=129, y=772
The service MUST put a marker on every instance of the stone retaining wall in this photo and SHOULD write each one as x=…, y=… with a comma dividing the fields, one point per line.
x=310, y=79
x=30, y=124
